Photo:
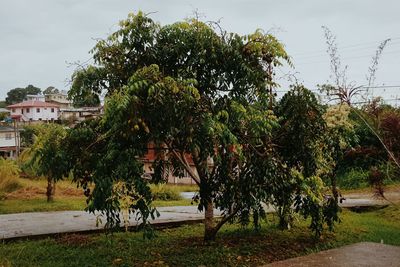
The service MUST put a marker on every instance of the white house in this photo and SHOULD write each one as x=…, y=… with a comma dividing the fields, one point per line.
x=8, y=142
x=60, y=99
x=34, y=111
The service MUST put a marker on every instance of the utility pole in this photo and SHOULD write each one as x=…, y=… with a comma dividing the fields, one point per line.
x=16, y=136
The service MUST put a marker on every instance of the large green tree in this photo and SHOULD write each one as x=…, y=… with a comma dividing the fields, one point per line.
x=201, y=98
x=17, y=95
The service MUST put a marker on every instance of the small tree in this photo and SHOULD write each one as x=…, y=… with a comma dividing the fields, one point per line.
x=48, y=156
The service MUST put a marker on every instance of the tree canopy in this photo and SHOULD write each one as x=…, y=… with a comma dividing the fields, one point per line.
x=200, y=97
x=51, y=90
x=17, y=95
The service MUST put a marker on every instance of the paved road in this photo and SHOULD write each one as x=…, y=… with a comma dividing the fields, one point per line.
x=56, y=222
x=48, y=223
x=360, y=254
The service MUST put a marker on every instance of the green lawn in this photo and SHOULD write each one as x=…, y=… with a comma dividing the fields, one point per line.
x=183, y=246
x=31, y=197
x=40, y=204
x=71, y=203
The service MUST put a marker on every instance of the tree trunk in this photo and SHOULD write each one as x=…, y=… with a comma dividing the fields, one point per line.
x=51, y=189
x=209, y=233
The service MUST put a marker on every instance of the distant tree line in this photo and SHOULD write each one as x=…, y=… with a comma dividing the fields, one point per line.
x=18, y=94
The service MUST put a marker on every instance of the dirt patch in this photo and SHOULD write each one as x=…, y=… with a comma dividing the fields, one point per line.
x=32, y=192
x=73, y=192
x=76, y=240
x=29, y=192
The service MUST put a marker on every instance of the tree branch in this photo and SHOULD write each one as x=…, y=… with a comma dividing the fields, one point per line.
x=225, y=219
x=186, y=165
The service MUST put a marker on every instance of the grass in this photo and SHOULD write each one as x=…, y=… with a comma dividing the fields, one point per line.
x=72, y=203
x=9, y=176
x=40, y=204
x=183, y=246
x=30, y=196
x=169, y=192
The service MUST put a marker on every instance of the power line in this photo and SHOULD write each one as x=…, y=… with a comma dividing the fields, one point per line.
x=363, y=90
x=348, y=46
x=355, y=57
x=317, y=54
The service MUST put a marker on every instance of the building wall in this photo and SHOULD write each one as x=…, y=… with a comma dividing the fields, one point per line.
x=7, y=139
x=7, y=144
x=36, y=113
x=186, y=179
x=35, y=98
x=59, y=99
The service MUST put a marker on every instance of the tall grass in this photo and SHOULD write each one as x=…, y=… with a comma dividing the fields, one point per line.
x=165, y=192
x=9, y=174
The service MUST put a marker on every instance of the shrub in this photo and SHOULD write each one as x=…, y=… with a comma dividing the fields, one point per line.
x=9, y=174
x=164, y=192
x=353, y=178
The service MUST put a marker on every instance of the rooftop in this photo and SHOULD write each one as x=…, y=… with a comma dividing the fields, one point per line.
x=33, y=103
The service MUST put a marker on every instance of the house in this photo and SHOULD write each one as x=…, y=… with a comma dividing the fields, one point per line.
x=80, y=114
x=35, y=98
x=9, y=142
x=171, y=176
x=60, y=99
x=34, y=110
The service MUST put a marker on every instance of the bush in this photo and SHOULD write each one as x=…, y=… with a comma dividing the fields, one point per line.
x=165, y=192
x=353, y=178
x=9, y=174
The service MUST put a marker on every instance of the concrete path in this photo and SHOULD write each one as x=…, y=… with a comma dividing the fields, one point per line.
x=20, y=225
x=360, y=254
x=49, y=223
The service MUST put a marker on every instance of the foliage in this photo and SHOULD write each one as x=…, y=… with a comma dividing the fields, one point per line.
x=3, y=115
x=199, y=97
x=305, y=154
x=163, y=192
x=9, y=174
x=82, y=91
x=47, y=154
x=377, y=147
x=17, y=95
x=50, y=90
x=105, y=159
x=353, y=178
x=346, y=91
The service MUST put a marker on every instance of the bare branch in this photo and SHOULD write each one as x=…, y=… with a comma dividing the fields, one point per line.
x=186, y=165
x=374, y=64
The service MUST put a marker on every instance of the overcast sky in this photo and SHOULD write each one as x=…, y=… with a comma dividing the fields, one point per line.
x=40, y=37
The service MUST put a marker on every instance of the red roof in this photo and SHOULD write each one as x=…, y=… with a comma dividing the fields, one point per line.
x=33, y=103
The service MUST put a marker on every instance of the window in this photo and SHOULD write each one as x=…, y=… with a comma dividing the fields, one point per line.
x=8, y=136
x=13, y=110
x=38, y=110
x=52, y=110
x=27, y=110
x=22, y=110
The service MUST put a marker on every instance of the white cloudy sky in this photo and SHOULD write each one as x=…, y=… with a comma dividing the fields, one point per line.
x=39, y=37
